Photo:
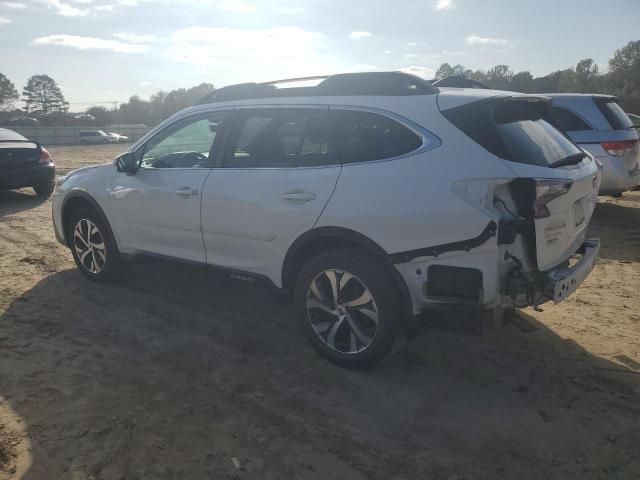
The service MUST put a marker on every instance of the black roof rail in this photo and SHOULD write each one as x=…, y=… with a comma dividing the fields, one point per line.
x=459, y=81
x=369, y=83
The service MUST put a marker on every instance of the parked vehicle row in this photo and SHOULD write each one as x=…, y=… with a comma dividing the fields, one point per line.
x=370, y=200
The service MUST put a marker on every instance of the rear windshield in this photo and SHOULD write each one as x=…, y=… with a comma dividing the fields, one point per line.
x=532, y=141
x=535, y=142
x=10, y=135
x=613, y=113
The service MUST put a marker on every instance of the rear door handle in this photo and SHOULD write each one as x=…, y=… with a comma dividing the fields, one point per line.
x=297, y=196
x=187, y=192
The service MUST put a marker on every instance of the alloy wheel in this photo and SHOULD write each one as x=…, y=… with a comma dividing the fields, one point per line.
x=89, y=246
x=342, y=311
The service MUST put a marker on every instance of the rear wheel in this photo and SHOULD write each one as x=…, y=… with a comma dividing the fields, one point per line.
x=348, y=308
x=44, y=189
x=92, y=246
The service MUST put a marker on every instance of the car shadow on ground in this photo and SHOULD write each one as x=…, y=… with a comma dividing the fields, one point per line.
x=174, y=373
x=618, y=227
x=16, y=201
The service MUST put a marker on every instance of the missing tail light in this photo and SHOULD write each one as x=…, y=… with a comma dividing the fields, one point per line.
x=619, y=148
x=531, y=195
x=45, y=157
x=547, y=190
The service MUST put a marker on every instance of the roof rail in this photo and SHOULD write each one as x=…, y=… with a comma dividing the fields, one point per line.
x=369, y=83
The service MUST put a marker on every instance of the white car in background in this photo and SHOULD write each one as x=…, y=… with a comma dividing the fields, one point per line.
x=372, y=200
x=118, y=138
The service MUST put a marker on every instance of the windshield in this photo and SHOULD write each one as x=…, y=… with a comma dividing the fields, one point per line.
x=536, y=142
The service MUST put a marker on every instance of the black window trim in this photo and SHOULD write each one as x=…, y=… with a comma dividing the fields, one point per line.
x=571, y=110
x=215, y=147
x=429, y=141
x=273, y=106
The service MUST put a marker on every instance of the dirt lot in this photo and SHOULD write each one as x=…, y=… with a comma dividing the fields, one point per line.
x=175, y=373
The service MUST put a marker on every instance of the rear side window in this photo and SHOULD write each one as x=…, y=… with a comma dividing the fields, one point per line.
x=566, y=120
x=613, y=113
x=366, y=136
x=280, y=138
x=520, y=136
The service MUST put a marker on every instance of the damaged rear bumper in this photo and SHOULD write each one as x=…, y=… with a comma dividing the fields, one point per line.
x=561, y=282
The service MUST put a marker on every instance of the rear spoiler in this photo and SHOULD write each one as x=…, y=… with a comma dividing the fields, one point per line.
x=507, y=108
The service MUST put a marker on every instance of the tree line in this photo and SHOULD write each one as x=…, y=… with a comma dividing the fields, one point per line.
x=44, y=100
x=622, y=78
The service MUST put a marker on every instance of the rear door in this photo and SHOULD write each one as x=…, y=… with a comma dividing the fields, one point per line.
x=278, y=173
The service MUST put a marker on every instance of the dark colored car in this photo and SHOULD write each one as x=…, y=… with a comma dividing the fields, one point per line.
x=24, y=163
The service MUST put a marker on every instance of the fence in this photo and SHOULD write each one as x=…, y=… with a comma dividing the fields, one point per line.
x=69, y=135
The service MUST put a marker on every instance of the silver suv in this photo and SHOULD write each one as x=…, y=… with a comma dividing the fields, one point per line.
x=598, y=124
x=371, y=200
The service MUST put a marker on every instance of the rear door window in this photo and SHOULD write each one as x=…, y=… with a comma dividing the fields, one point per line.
x=366, y=136
x=566, y=120
x=613, y=113
x=280, y=138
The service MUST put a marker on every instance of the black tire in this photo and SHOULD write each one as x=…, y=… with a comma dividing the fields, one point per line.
x=44, y=189
x=366, y=273
x=108, y=266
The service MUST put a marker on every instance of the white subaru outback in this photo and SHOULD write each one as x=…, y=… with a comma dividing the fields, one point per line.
x=371, y=200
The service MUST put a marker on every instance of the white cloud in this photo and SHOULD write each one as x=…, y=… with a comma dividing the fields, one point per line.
x=444, y=5
x=476, y=40
x=423, y=72
x=90, y=43
x=4, y=20
x=14, y=5
x=134, y=38
x=387, y=52
x=411, y=44
x=359, y=35
x=144, y=83
x=410, y=55
x=65, y=9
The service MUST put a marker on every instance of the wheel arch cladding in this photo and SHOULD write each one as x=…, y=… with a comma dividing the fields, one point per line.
x=78, y=200
x=317, y=240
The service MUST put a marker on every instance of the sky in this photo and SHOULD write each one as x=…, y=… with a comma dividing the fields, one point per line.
x=108, y=50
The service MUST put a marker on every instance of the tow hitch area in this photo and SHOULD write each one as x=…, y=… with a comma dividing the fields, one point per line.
x=562, y=282
x=526, y=289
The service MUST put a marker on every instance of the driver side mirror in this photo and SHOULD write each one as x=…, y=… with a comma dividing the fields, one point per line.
x=127, y=163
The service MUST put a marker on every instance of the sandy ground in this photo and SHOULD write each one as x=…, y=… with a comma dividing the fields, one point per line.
x=179, y=374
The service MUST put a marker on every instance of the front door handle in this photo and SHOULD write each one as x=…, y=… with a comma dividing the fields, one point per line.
x=187, y=192
x=298, y=196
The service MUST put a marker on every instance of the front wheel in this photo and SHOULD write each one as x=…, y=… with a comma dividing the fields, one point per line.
x=348, y=308
x=92, y=246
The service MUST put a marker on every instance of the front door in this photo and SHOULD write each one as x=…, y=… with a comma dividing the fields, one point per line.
x=157, y=210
